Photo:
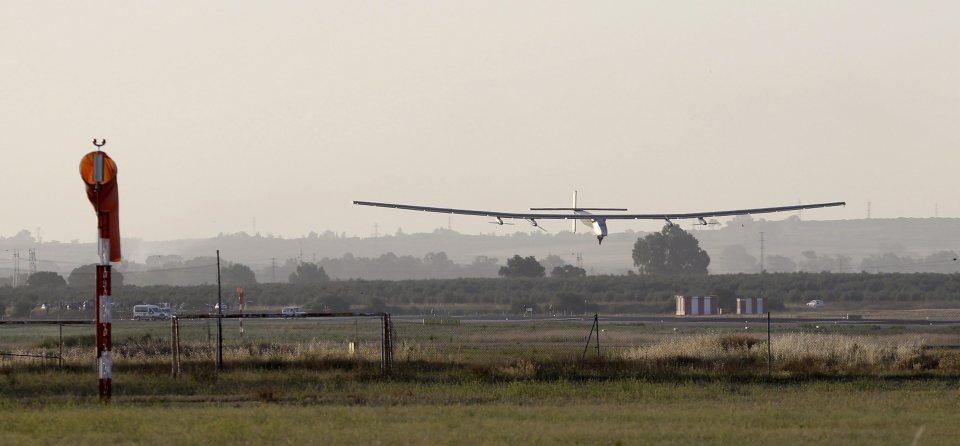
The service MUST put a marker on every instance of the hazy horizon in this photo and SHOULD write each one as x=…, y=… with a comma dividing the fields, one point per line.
x=272, y=117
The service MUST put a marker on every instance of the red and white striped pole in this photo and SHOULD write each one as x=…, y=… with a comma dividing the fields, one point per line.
x=99, y=172
x=243, y=304
x=104, y=313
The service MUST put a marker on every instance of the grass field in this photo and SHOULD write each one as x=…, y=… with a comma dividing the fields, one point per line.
x=293, y=382
x=310, y=407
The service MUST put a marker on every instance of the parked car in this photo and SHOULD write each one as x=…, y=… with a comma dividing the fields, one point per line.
x=293, y=312
x=816, y=303
x=151, y=312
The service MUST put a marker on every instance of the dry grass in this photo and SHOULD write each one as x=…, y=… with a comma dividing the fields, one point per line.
x=148, y=350
x=533, y=351
x=797, y=353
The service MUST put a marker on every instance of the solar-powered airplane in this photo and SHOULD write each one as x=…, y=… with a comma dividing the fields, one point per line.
x=596, y=221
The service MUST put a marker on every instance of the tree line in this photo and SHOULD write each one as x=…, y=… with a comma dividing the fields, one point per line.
x=669, y=262
x=606, y=294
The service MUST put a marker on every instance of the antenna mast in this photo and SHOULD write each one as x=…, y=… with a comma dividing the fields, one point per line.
x=32, y=256
x=579, y=257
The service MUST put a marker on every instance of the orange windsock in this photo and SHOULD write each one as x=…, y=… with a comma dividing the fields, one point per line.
x=99, y=173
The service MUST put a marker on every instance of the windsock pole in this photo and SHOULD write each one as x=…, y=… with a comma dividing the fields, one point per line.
x=104, y=313
x=99, y=174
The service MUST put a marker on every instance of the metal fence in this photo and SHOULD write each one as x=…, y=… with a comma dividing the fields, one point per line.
x=205, y=340
x=45, y=340
x=189, y=343
x=489, y=340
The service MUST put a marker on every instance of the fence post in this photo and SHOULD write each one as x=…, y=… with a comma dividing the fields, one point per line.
x=178, y=346
x=769, y=349
x=173, y=346
x=596, y=323
x=594, y=327
x=60, y=358
x=386, y=345
x=219, y=360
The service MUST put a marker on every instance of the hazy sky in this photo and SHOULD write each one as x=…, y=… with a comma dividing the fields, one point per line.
x=221, y=112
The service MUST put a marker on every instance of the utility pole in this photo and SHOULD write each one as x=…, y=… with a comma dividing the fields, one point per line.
x=16, y=268
x=273, y=269
x=579, y=257
x=32, y=256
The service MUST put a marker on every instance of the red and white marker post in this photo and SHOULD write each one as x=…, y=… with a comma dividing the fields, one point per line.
x=243, y=304
x=99, y=172
x=104, y=313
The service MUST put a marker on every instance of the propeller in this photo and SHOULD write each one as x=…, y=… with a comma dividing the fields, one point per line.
x=499, y=222
x=535, y=225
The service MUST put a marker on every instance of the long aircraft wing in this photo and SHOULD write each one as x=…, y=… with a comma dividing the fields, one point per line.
x=571, y=216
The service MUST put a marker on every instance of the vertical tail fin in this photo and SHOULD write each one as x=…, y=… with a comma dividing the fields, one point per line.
x=573, y=223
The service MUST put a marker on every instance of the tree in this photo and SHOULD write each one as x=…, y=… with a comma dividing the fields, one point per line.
x=571, y=304
x=437, y=263
x=238, y=274
x=309, y=273
x=944, y=262
x=670, y=251
x=825, y=263
x=522, y=267
x=23, y=308
x=336, y=304
x=780, y=264
x=46, y=279
x=735, y=259
x=552, y=261
x=377, y=305
x=888, y=262
x=568, y=271
x=85, y=277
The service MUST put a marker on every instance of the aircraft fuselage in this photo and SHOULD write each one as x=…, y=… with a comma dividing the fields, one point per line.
x=599, y=225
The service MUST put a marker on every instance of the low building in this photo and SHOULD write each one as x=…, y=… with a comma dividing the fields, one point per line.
x=697, y=305
x=751, y=305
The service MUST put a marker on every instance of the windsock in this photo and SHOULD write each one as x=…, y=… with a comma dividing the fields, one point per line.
x=99, y=173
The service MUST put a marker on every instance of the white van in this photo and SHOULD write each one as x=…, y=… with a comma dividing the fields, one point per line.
x=150, y=313
x=292, y=312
